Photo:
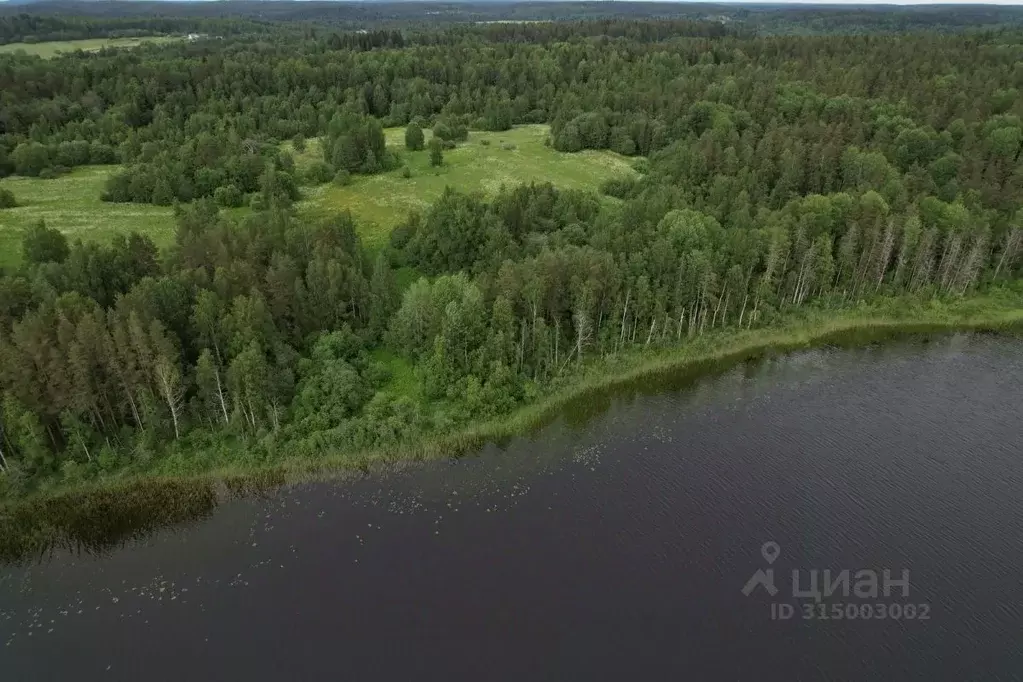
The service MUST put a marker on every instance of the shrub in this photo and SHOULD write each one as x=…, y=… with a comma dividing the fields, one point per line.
x=621, y=187
x=485, y=142
x=454, y=132
x=7, y=198
x=228, y=196
x=319, y=172
x=406, y=172
x=414, y=139
x=41, y=244
x=436, y=152
x=508, y=147
x=342, y=178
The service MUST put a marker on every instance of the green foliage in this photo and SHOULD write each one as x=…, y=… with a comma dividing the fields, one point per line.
x=449, y=131
x=42, y=244
x=355, y=143
x=414, y=139
x=620, y=187
x=7, y=199
x=320, y=172
x=436, y=152
x=228, y=196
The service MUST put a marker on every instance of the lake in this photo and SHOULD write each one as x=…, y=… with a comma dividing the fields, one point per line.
x=614, y=544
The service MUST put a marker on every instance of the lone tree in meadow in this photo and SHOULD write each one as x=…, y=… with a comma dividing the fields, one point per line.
x=436, y=152
x=41, y=244
x=414, y=137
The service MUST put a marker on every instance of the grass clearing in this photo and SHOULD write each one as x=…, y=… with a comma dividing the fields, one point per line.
x=49, y=50
x=380, y=202
x=402, y=380
x=72, y=205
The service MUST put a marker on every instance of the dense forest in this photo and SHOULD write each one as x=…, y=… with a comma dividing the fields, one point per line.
x=776, y=173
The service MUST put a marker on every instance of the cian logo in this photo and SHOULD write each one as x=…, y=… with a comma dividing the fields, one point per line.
x=764, y=577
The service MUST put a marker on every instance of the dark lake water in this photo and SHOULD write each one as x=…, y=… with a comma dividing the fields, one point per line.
x=611, y=549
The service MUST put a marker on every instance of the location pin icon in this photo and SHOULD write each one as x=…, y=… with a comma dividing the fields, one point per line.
x=770, y=551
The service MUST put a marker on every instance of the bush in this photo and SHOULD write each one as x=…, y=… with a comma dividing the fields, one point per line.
x=508, y=147
x=436, y=152
x=298, y=142
x=641, y=166
x=453, y=132
x=285, y=162
x=30, y=158
x=485, y=142
x=406, y=172
x=41, y=244
x=342, y=178
x=414, y=139
x=621, y=187
x=319, y=172
x=228, y=196
x=7, y=198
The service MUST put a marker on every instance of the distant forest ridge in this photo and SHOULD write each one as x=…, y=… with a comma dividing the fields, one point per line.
x=47, y=20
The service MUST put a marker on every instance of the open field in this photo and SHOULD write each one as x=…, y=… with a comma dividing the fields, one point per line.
x=380, y=202
x=71, y=204
x=52, y=49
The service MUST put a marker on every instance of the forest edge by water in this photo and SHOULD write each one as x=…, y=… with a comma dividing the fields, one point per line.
x=101, y=514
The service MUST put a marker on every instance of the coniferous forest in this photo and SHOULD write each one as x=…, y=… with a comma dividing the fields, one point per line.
x=790, y=164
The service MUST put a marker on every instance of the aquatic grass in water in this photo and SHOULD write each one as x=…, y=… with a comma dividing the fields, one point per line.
x=99, y=519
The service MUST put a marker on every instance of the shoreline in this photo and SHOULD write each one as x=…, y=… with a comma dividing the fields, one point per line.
x=99, y=514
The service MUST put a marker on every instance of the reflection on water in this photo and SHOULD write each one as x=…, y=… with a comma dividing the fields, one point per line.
x=605, y=547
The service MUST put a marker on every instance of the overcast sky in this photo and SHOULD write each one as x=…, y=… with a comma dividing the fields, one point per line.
x=870, y=2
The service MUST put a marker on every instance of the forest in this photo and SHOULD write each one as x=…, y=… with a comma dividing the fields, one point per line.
x=776, y=174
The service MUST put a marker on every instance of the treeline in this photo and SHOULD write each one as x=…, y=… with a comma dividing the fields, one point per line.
x=250, y=340
x=765, y=19
x=38, y=27
x=557, y=278
x=944, y=108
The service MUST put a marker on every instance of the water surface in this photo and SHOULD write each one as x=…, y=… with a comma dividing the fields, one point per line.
x=609, y=549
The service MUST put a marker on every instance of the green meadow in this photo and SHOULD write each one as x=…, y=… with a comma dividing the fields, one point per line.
x=482, y=164
x=71, y=204
x=49, y=50
x=487, y=161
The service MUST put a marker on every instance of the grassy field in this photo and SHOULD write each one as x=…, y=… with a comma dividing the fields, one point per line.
x=71, y=204
x=512, y=157
x=52, y=49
